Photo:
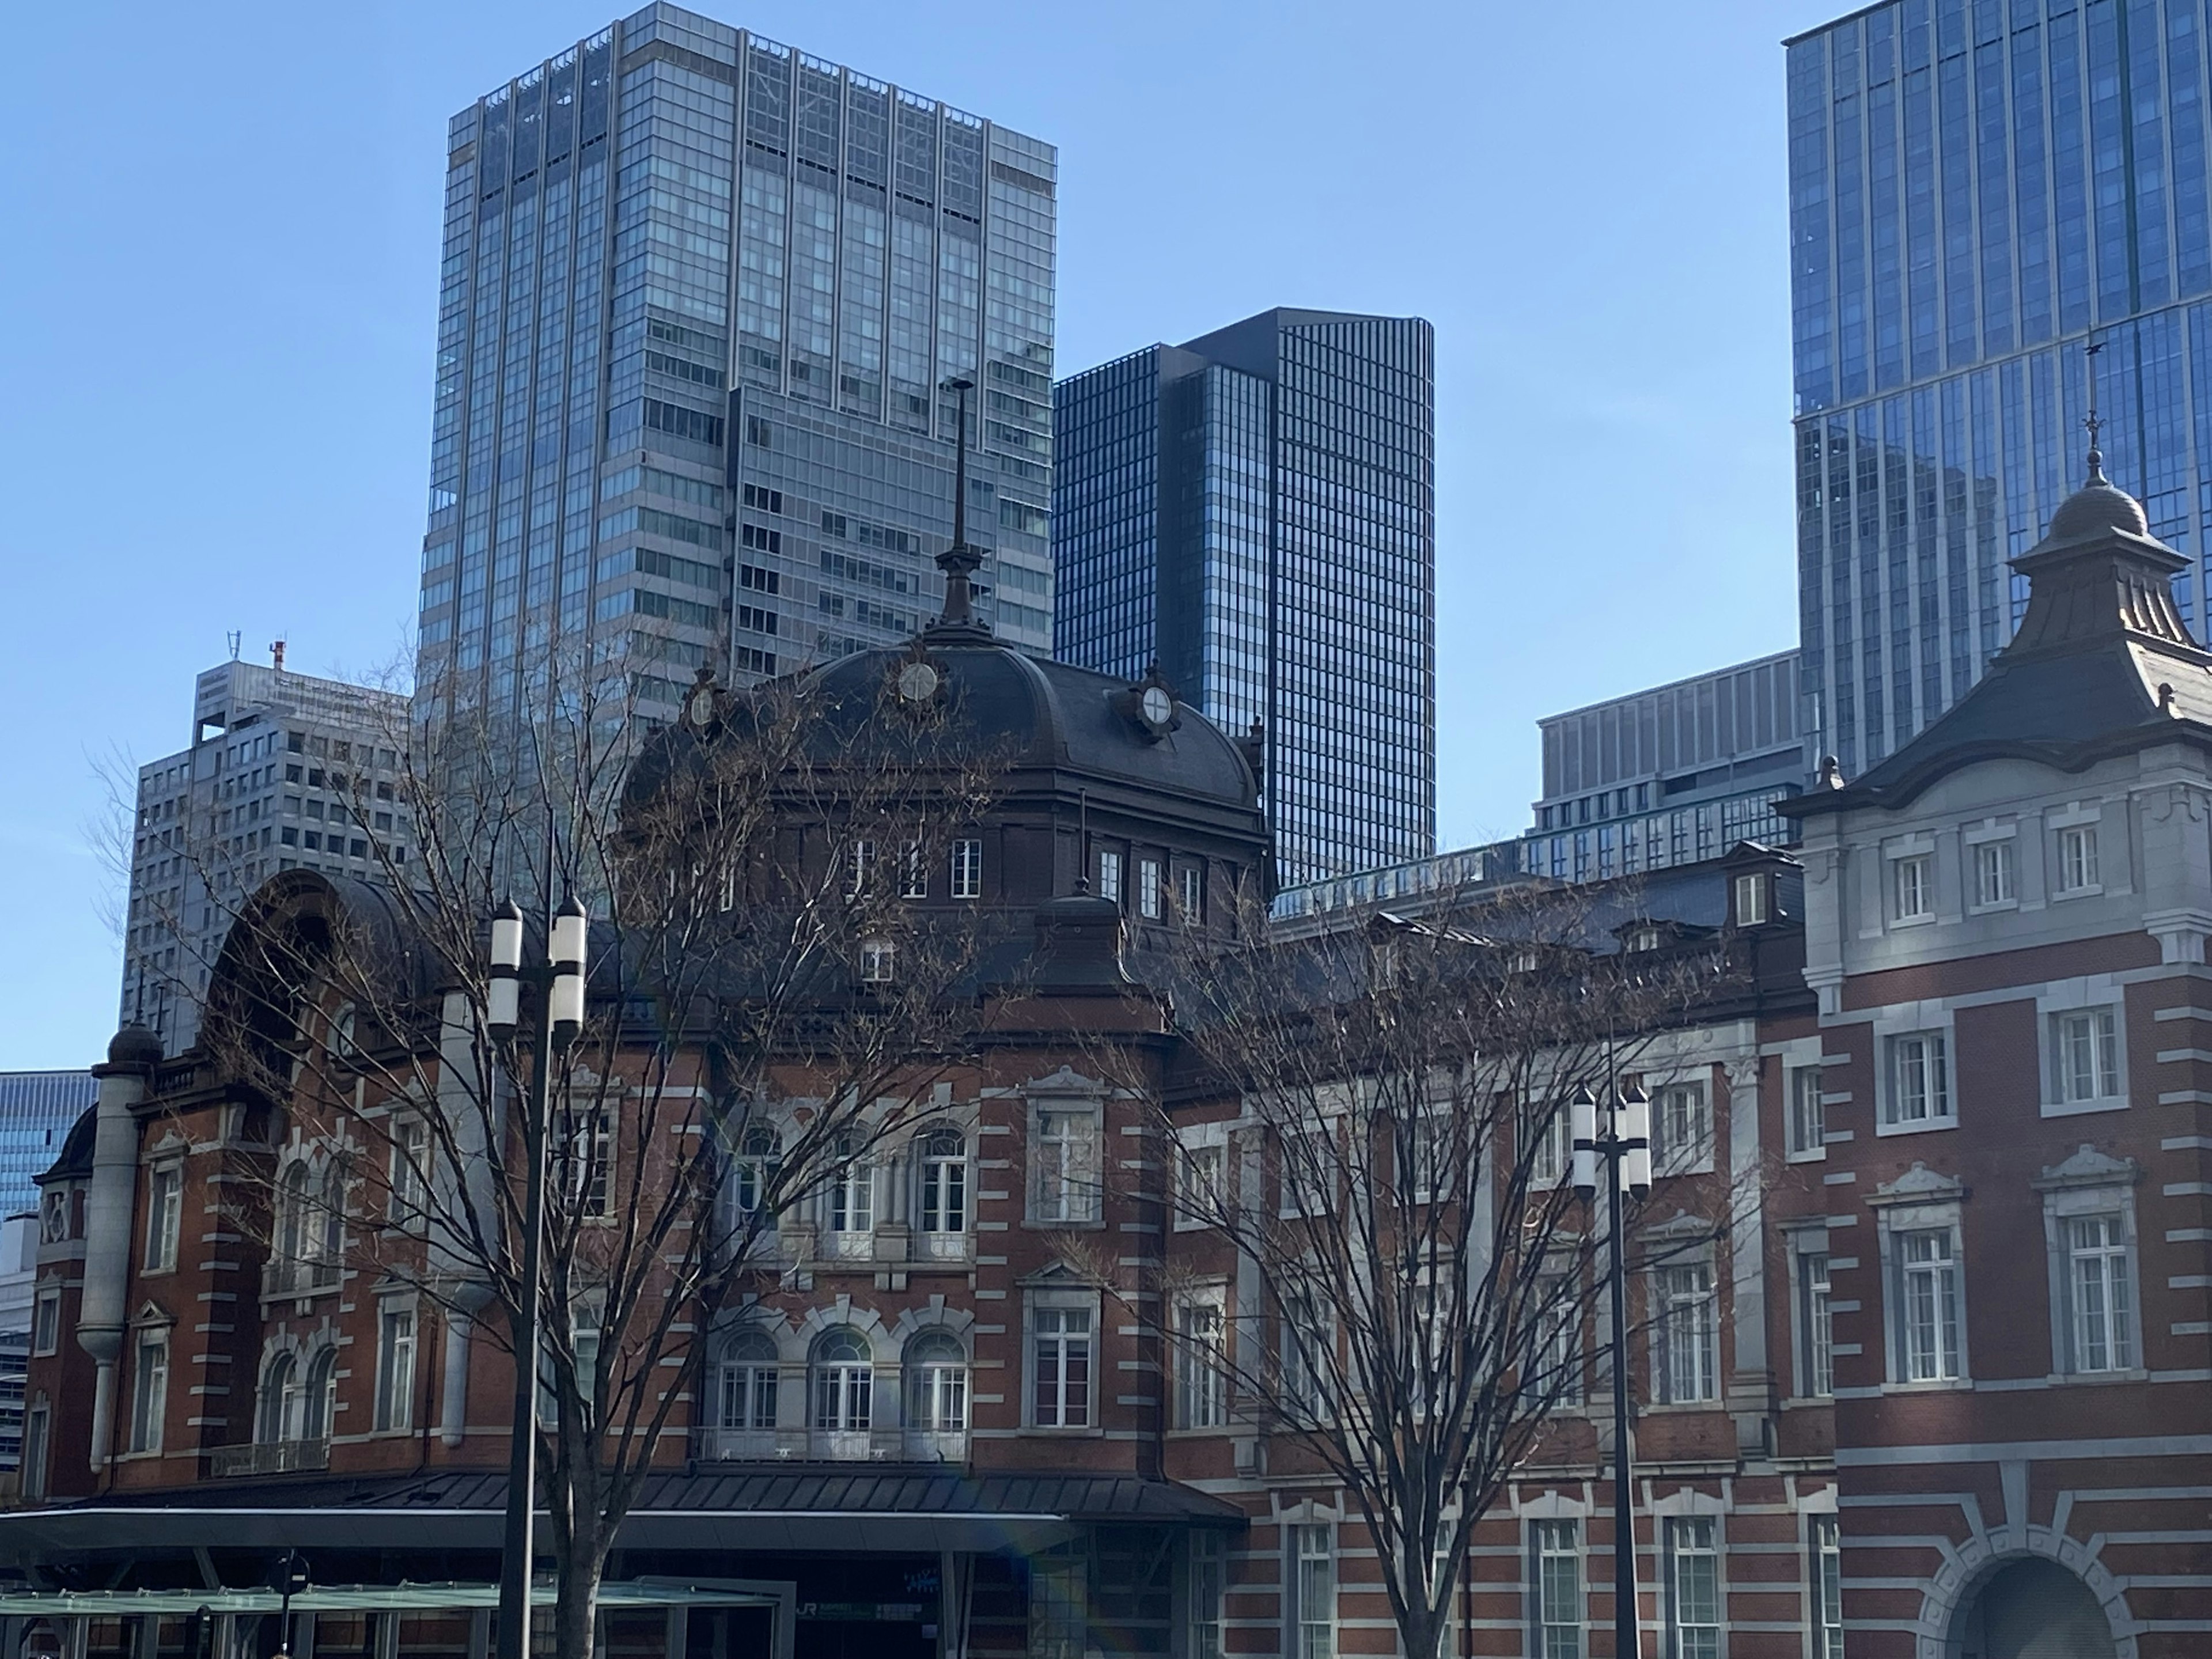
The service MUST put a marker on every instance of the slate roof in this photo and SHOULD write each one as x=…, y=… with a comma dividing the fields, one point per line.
x=2102, y=663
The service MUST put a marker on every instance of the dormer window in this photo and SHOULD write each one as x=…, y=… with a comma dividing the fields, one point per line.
x=2077, y=858
x=1913, y=888
x=1641, y=939
x=1750, y=900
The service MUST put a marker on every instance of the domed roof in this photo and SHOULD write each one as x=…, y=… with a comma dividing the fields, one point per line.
x=1052, y=714
x=134, y=1045
x=2099, y=506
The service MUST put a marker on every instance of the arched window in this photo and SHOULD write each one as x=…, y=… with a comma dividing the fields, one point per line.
x=746, y=1381
x=280, y=1401
x=310, y=1227
x=319, y=1401
x=944, y=1191
x=844, y=1383
x=292, y=1231
x=936, y=1370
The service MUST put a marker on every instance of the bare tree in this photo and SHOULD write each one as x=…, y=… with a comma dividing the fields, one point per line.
x=777, y=986
x=1402, y=1278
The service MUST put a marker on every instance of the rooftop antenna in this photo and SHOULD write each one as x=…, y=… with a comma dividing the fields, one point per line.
x=2090, y=421
x=236, y=639
x=1083, y=843
x=276, y=654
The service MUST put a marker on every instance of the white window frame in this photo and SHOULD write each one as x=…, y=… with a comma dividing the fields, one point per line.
x=1824, y=1583
x=1912, y=888
x=1812, y=1294
x=1311, y=1560
x=2063, y=1009
x=945, y=1206
x=1557, y=1612
x=151, y=1363
x=2069, y=1199
x=1906, y=1058
x=967, y=868
x=46, y=1321
x=1669, y=1156
x=1201, y=1358
x=1150, y=885
x=1805, y=1126
x=38, y=1448
x=850, y=1205
x=1308, y=1385
x=165, y=1215
x=1906, y=1268
x=1693, y=1538
x=878, y=962
x=841, y=1390
x=1206, y=1592
x=935, y=1376
x=1685, y=1325
x=398, y=1353
x=1190, y=892
x=1751, y=891
x=747, y=1383
x=1067, y=1155
x=1109, y=874
x=407, y=1187
x=860, y=865
x=1201, y=1164
x=1550, y=1144
x=914, y=872
x=2074, y=865
x=2098, y=1246
x=1058, y=1324
x=1993, y=871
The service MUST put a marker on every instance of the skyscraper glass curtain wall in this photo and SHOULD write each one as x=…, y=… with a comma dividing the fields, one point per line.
x=700, y=293
x=1254, y=511
x=1978, y=191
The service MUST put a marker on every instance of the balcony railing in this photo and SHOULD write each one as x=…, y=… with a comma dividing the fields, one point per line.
x=826, y=1446
x=271, y=1457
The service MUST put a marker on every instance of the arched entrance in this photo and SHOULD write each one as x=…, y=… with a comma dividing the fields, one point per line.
x=2032, y=1608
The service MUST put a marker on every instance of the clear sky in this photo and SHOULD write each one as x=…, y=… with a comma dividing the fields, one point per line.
x=218, y=296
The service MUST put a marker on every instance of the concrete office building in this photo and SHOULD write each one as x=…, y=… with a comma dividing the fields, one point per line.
x=700, y=296
x=1677, y=774
x=279, y=765
x=1977, y=194
x=1253, y=511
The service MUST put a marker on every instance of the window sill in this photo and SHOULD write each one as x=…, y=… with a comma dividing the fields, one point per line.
x=1940, y=1385
x=2083, y=1108
x=1927, y=920
x=1808, y=1155
x=1677, y=1407
x=1797, y=1402
x=2060, y=895
x=1918, y=1127
x=1095, y=1225
x=1089, y=1431
x=2095, y=1379
x=1999, y=908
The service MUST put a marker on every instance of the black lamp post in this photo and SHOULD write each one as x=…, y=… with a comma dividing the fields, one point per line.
x=559, y=980
x=1623, y=1141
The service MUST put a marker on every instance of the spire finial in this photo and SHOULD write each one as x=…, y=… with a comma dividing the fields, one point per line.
x=958, y=560
x=2090, y=421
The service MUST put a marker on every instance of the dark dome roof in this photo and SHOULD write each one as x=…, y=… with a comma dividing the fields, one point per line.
x=1055, y=714
x=2099, y=506
x=134, y=1045
x=75, y=1159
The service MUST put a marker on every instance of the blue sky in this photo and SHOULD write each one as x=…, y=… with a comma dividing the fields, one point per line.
x=222, y=226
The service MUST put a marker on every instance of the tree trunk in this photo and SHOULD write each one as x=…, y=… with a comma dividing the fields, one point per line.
x=576, y=1596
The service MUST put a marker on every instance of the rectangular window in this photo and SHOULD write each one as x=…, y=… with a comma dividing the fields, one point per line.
x=1681, y=1128
x=2101, y=1292
x=913, y=882
x=1919, y=1079
x=1058, y=1621
x=1993, y=873
x=853, y=1197
x=1550, y=1135
x=395, y=1369
x=1815, y=1327
x=1315, y=1564
x=1750, y=901
x=1693, y=1588
x=878, y=962
x=2077, y=858
x=1555, y=1575
x=1209, y=1581
x=165, y=1212
x=2085, y=1055
x=1808, y=1123
x=1148, y=888
x=1190, y=893
x=945, y=1186
x=1928, y=1311
x=1685, y=1335
x=1062, y=1354
x=1199, y=1384
x=967, y=869
x=1912, y=890
x=586, y=1163
x=47, y=1323
x=1560, y=1352
x=860, y=860
x=410, y=1150
x=149, y=1402
x=34, y=1452
x=1066, y=1165
x=1203, y=1188
x=1827, y=1577
x=1110, y=876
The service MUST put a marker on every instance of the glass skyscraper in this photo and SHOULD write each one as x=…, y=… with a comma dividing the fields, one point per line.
x=1979, y=192
x=1254, y=511
x=700, y=294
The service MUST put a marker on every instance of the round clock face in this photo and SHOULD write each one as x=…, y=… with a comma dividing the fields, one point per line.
x=1158, y=707
x=917, y=682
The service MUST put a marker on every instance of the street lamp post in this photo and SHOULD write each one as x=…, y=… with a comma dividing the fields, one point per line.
x=1623, y=1142
x=559, y=980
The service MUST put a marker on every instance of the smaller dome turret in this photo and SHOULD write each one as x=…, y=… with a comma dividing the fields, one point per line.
x=2097, y=506
x=134, y=1045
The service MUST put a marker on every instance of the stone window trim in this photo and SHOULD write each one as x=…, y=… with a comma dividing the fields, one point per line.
x=1196, y=1137
x=1803, y=1236
x=1911, y=1019
x=165, y=1163
x=1677, y=1161
x=1897, y=882
x=388, y=1299
x=1973, y=838
x=1064, y=1293
x=1796, y=1056
x=1705, y=1317
x=2085, y=1184
x=1065, y=1093
x=1919, y=1201
x=152, y=1323
x=2085, y=994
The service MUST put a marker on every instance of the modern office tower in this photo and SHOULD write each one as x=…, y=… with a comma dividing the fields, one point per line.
x=1676, y=774
x=701, y=293
x=1254, y=512
x=36, y=1111
x=1977, y=194
x=279, y=766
